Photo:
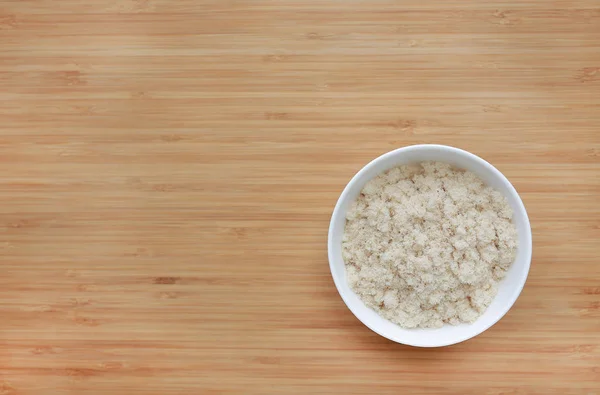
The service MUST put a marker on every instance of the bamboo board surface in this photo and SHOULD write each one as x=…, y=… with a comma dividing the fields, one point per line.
x=168, y=171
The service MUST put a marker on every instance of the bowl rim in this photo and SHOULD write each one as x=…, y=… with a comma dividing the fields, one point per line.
x=344, y=196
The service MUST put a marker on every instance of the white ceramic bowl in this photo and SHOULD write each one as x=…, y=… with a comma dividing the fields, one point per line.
x=509, y=288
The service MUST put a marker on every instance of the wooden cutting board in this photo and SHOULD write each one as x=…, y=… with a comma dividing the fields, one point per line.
x=168, y=171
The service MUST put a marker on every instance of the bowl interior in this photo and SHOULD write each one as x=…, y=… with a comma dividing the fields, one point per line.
x=508, y=289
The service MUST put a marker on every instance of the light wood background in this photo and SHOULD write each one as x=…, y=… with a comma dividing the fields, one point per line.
x=168, y=169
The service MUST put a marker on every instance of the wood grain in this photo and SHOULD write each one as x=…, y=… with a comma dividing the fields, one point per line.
x=168, y=170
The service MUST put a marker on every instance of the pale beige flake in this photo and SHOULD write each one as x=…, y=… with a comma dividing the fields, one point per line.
x=427, y=244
